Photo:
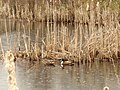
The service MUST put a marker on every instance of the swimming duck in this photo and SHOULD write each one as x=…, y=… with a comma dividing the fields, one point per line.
x=106, y=88
x=49, y=62
x=66, y=62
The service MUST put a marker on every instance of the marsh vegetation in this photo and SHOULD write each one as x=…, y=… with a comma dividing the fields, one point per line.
x=95, y=34
x=59, y=32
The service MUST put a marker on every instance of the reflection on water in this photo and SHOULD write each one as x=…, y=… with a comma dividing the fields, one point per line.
x=40, y=77
x=11, y=32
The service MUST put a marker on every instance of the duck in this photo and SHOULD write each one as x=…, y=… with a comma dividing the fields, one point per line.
x=106, y=88
x=49, y=62
x=66, y=62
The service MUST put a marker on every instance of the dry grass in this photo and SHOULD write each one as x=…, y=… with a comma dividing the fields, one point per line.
x=95, y=35
x=53, y=10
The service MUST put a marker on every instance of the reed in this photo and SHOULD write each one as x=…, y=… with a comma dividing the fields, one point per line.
x=56, y=11
x=2, y=48
x=95, y=35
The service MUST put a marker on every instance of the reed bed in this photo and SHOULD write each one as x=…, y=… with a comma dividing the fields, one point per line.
x=95, y=34
x=53, y=10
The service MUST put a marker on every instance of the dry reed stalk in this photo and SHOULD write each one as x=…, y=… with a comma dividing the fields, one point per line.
x=75, y=14
x=58, y=37
x=67, y=44
x=42, y=45
x=8, y=10
x=13, y=13
x=48, y=12
x=53, y=6
x=54, y=43
x=80, y=42
x=36, y=44
x=25, y=43
x=17, y=8
x=63, y=37
x=76, y=37
x=117, y=36
x=34, y=11
x=92, y=17
x=29, y=43
x=6, y=31
x=10, y=65
x=98, y=22
x=15, y=42
x=97, y=26
x=10, y=34
x=18, y=34
x=42, y=51
x=2, y=48
x=48, y=37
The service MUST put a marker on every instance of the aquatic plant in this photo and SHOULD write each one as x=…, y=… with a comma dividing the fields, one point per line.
x=95, y=35
x=52, y=10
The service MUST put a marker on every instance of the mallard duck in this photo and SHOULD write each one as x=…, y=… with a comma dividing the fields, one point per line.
x=48, y=62
x=106, y=88
x=66, y=62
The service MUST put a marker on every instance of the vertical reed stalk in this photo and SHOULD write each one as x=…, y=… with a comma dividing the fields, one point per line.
x=36, y=44
x=42, y=46
x=18, y=37
x=48, y=11
x=92, y=18
x=15, y=42
x=6, y=31
x=29, y=44
x=54, y=36
x=48, y=37
x=58, y=37
x=81, y=36
x=63, y=37
x=42, y=49
x=2, y=48
x=76, y=36
x=117, y=41
x=24, y=38
x=10, y=34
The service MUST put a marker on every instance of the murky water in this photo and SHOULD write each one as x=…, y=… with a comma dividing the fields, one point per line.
x=40, y=77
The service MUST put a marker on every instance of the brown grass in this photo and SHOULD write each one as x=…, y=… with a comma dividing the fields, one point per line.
x=54, y=10
x=95, y=35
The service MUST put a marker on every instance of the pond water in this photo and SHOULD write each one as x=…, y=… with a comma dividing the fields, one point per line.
x=82, y=77
x=37, y=76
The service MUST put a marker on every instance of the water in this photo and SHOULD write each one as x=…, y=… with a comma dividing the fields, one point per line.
x=29, y=76
x=83, y=77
